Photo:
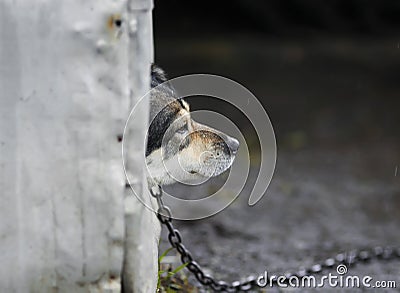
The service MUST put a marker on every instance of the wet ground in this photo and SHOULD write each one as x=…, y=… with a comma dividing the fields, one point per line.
x=334, y=104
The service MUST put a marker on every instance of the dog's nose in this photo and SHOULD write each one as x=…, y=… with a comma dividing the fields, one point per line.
x=233, y=145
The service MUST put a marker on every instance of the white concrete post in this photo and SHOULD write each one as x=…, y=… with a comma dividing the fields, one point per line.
x=68, y=77
x=142, y=226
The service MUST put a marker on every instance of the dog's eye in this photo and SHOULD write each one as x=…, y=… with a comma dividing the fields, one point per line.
x=183, y=129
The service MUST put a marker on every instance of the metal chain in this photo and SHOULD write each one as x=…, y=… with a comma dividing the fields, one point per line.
x=349, y=259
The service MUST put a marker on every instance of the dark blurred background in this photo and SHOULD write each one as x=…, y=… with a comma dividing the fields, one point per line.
x=278, y=17
x=328, y=74
x=324, y=70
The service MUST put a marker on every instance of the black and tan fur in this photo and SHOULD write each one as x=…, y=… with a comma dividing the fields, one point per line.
x=179, y=148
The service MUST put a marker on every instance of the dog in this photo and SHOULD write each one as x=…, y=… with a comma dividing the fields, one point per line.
x=180, y=149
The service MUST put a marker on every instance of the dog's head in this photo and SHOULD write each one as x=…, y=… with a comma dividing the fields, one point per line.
x=179, y=148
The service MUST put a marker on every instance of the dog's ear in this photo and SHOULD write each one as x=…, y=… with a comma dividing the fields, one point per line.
x=158, y=76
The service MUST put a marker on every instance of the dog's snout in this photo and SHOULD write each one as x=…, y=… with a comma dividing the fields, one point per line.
x=233, y=145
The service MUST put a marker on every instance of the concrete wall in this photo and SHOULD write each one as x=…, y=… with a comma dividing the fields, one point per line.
x=69, y=74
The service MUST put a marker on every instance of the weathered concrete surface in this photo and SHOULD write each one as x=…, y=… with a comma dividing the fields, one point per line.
x=69, y=71
x=64, y=98
x=142, y=229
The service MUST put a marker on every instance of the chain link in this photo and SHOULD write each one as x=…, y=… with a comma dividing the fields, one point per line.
x=350, y=258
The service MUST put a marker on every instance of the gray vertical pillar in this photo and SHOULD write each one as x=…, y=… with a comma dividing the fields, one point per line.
x=142, y=227
x=69, y=73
